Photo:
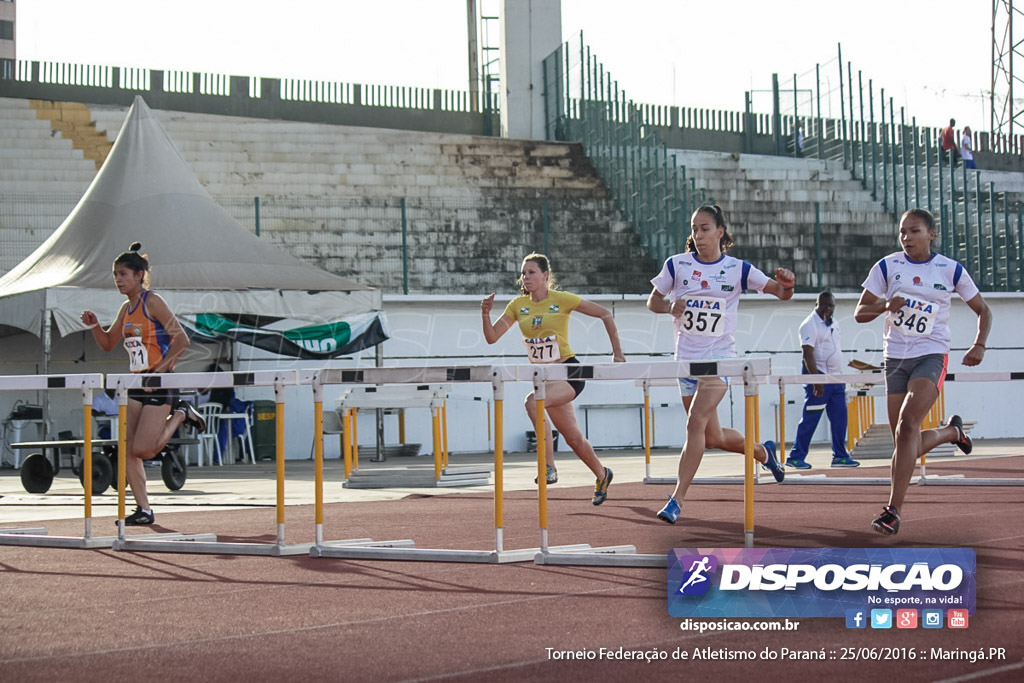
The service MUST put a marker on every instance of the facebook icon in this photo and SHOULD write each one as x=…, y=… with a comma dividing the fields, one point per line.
x=856, y=618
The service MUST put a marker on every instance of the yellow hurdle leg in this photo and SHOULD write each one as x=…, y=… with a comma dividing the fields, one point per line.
x=318, y=464
x=782, y=424
x=436, y=429
x=542, y=479
x=444, y=432
x=346, y=441
x=748, y=469
x=355, y=438
x=499, y=474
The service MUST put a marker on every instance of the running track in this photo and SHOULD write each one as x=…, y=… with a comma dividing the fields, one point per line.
x=100, y=615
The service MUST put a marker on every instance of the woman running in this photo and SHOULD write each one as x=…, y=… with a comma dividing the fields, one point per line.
x=701, y=289
x=913, y=289
x=542, y=312
x=154, y=340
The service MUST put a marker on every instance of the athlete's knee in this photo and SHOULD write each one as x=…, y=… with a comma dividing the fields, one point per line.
x=574, y=439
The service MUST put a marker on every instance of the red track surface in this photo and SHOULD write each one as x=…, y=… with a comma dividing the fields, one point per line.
x=100, y=615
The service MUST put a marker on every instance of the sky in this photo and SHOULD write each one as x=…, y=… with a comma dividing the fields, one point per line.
x=933, y=57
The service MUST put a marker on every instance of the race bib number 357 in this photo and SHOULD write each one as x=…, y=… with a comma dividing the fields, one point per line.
x=704, y=316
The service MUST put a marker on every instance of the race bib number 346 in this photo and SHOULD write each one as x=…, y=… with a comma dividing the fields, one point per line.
x=915, y=319
x=704, y=316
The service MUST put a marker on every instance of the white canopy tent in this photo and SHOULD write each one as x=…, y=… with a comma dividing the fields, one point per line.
x=203, y=261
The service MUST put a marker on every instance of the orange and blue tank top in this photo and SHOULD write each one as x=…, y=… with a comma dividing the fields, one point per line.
x=145, y=339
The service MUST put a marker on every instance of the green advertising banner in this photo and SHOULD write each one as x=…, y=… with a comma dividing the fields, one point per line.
x=292, y=338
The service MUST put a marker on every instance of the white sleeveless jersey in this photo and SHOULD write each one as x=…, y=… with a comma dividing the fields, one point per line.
x=706, y=330
x=921, y=327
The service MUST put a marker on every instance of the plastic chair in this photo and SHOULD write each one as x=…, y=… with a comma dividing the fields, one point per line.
x=209, y=441
x=332, y=425
x=244, y=439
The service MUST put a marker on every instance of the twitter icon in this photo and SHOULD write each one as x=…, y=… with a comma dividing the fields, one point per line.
x=881, y=618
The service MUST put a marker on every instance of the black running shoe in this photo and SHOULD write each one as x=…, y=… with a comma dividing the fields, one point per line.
x=139, y=518
x=888, y=522
x=192, y=416
x=963, y=442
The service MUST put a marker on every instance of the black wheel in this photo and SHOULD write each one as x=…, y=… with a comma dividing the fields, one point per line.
x=102, y=474
x=110, y=454
x=174, y=470
x=37, y=473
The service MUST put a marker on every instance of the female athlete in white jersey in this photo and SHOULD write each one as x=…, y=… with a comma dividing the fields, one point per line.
x=543, y=316
x=700, y=289
x=913, y=288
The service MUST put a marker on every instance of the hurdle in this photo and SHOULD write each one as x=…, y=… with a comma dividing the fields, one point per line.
x=959, y=479
x=38, y=536
x=204, y=543
x=625, y=556
x=760, y=477
x=367, y=549
x=404, y=396
x=922, y=479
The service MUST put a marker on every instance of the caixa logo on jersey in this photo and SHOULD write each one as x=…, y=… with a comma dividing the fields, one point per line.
x=816, y=582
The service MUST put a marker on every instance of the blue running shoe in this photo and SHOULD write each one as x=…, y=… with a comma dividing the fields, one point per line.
x=798, y=464
x=551, y=475
x=601, y=487
x=772, y=463
x=845, y=462
x=669, y=513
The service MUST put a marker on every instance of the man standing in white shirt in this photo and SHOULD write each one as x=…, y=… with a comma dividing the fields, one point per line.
x=823, y=354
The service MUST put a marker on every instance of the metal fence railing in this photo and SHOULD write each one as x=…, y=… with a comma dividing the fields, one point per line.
x=584, y=103
x=901, y=164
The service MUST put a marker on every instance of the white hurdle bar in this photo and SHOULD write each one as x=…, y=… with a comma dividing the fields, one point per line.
x=924, y=479
x=367, y=549
x=86, y=384
x=203, y=543
x=626, y=556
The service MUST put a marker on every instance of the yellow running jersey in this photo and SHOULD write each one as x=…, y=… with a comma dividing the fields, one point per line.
x=544, y=324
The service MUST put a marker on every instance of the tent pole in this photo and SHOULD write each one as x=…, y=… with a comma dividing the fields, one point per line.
x=47, y=338
x=379, y=357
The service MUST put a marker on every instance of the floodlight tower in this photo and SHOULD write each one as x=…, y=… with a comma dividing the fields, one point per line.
x=1006, y=48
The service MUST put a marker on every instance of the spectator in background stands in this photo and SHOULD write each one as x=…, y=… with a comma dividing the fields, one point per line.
x=966, y=150
x=948, y=140
x=822, y=354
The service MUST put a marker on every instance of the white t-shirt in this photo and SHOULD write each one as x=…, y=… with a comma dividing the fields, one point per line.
x=828, y=347
x=707, y=328
x=965, y=148
x=921, y=327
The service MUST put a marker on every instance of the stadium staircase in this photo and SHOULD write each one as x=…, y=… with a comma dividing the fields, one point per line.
x=474, y=205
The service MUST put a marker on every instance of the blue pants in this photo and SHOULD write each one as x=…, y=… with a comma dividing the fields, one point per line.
x=832, y=402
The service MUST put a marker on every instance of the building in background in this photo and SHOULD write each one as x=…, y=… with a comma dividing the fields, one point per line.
x=7, y=38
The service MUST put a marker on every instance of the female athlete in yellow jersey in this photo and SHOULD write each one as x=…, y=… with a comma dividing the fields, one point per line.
x=543, y=316
x=154, y=340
